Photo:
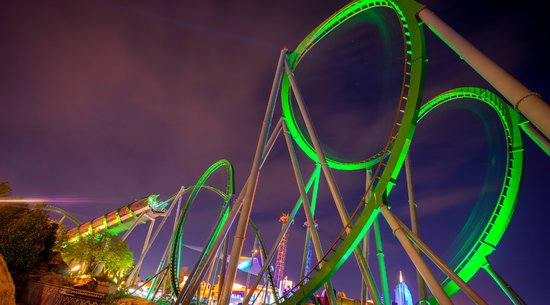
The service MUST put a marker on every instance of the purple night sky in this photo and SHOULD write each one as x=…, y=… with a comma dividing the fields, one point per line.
x=107, y=101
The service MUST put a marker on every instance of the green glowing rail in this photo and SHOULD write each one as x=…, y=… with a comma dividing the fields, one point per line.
x=412, y=85
x=412, y=79
x=224, y=211
x=399, y=139
x=176, y=254
x=497, y=223
x=494, y=229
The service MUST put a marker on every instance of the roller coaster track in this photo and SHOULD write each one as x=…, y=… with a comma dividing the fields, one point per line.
x=504, y=207
x=395, y=150
x=386, y=165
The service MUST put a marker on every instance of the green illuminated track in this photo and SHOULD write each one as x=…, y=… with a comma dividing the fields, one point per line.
x=176, y=251
x=177, y=244
x=396, y=147
x=495, y=226
x=413, y=75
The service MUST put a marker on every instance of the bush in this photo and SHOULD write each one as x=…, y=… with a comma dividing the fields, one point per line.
x=100, y=249
x=27, y=237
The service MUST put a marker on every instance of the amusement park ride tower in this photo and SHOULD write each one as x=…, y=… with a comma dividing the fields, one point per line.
x=281, y=253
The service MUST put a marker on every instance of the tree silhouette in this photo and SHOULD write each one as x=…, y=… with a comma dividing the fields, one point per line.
x=5, y=189
x=27, y=237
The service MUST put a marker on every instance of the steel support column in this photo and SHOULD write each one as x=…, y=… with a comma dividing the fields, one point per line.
x=271, y=254
x=307, y=243
x=506, y=288
x=144, y=250
x=149, y=240
x=420, y=265
x=237, y=204
x=364, y=288
x=381, y=261
x=440, y=264
x=238, y=240
x=525, y=101
x=339, y=202
x=307, y=209
x=414, y=226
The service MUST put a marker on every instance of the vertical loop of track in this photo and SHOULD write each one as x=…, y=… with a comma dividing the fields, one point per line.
x=230, y=189
x=388, y=161
x=495, y=226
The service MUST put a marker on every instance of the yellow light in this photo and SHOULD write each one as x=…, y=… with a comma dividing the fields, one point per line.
x=185, y=278
x=28, y=200
x=76, y=268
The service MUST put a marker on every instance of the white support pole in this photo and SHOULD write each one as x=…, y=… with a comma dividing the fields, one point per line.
x=213, y=276
x=202, y=265
x=381, y=261
x=267, y=262
x=148, y=239
x=134, y=224
x=238, y=240
x=441, y=264
x=146, y=245
x=364, y=288
x=339, y=202
x=529, y=103
x=308, y=244
x=177, y=199
x=506, y=288
x=223, y=266
x=237, y=204
x=414, y=226
x=537, y=137
x=271, y=141
x=309, y=215
x=162, y=283
x=222, y=237
x=420, y=265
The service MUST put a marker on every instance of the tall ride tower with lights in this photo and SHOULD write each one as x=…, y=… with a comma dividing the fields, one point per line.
x=281, y=253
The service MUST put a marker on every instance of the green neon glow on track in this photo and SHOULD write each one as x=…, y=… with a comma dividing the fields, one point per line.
x=176, y=245
x=494, y=229
x=412, y=81
x=403, y=129
x=502, y=213
x=413, y=35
